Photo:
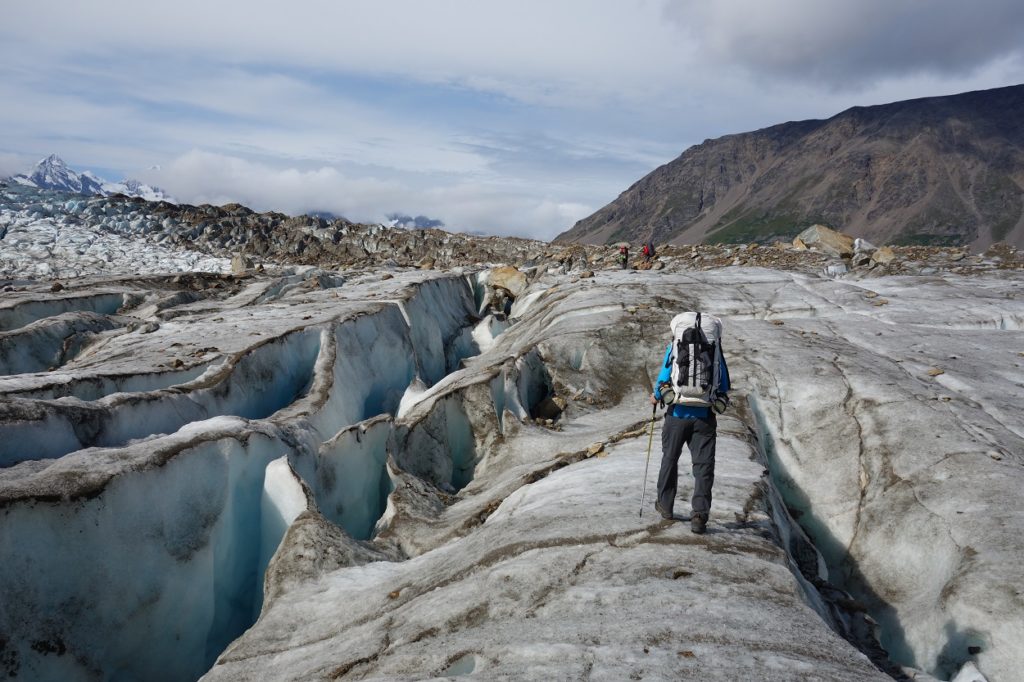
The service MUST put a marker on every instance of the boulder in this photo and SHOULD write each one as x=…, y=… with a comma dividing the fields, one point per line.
x=240, y=263
x=863, y=246
x=835, y=269
x=550, y=408
x=883, y=256
x=827, y=240
x=498, y=300
x=508, y=278
x=862, y=250
x=798, y=244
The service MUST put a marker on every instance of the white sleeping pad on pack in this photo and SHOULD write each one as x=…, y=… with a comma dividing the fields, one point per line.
x=696, y=358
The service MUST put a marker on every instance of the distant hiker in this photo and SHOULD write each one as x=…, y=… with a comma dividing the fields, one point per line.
x=648, y=251
x=693, y=384
x=624, y=256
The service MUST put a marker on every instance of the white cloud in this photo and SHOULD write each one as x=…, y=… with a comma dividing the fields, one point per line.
x=471, y=207
x=570, y=53
x=533, y=50
x=13, y=164
x=205, y=177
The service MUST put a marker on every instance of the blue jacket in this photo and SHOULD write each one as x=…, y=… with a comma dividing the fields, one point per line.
x=688, y=411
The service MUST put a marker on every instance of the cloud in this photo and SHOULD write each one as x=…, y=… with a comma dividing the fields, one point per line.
x=850, y=44
x=13, y=164
x=572, y=51
x=495, y=210
x=204, y=177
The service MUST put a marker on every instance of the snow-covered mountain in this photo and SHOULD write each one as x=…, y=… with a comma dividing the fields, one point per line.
x=409, y=222
x=53, y=173
x=134, y=188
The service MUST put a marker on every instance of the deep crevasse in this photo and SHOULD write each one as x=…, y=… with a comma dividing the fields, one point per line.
x=209, y=511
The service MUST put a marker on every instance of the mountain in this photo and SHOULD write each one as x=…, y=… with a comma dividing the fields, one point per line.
x=134, y=188
x=420, y=222
x=53, y=173
x=326, y=215
x=939, y=170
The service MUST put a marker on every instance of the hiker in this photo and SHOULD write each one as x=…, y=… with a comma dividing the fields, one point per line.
x=648, y=251
x=624, y=256
x=693, y=385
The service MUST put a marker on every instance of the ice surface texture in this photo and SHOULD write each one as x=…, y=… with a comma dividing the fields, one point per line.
x=562, y=580
x=193, y=471
x=52, y=234
x=359, y=464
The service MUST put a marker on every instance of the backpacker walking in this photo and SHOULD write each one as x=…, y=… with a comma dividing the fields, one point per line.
x=693, y=384
x=624, y=256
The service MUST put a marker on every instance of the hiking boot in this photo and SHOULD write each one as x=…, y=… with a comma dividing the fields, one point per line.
x=698, y=523
x=661, y=510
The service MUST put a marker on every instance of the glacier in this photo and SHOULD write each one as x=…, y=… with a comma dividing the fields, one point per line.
x=396, y=473
x=55, y=235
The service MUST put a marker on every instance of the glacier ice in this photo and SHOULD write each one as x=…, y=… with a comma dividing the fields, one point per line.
x=313, y=476
x=16, y=313
x=213, y=460
x=349, y=480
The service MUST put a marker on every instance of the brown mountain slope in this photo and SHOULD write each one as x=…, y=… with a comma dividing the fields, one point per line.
x=939, y=170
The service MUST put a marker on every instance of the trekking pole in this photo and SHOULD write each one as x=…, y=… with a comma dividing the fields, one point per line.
x=650, y=441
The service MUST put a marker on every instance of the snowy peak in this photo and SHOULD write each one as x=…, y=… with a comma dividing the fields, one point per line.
x=54, y=174
x=408, y=222
x=134, y=188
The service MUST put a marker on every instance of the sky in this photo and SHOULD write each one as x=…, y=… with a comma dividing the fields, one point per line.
x=515, y=118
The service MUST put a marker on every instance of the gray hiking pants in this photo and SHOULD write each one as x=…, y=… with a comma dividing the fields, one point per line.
x=699, y=435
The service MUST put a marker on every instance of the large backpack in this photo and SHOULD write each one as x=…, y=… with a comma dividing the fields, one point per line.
x=695, y=358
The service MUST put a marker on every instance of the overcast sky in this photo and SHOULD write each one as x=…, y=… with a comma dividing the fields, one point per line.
x=506, y=117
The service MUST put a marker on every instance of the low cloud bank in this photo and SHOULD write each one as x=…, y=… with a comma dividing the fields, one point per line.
x=205, y=177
